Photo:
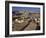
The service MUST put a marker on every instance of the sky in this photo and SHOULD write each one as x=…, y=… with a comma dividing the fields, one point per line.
x=32, y=9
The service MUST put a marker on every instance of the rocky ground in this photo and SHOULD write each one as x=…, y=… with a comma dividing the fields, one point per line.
x=26, y=25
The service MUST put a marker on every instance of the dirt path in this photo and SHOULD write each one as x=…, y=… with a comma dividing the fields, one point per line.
x=31, y=26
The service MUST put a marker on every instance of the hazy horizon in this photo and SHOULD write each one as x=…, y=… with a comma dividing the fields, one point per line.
x=32, y=9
